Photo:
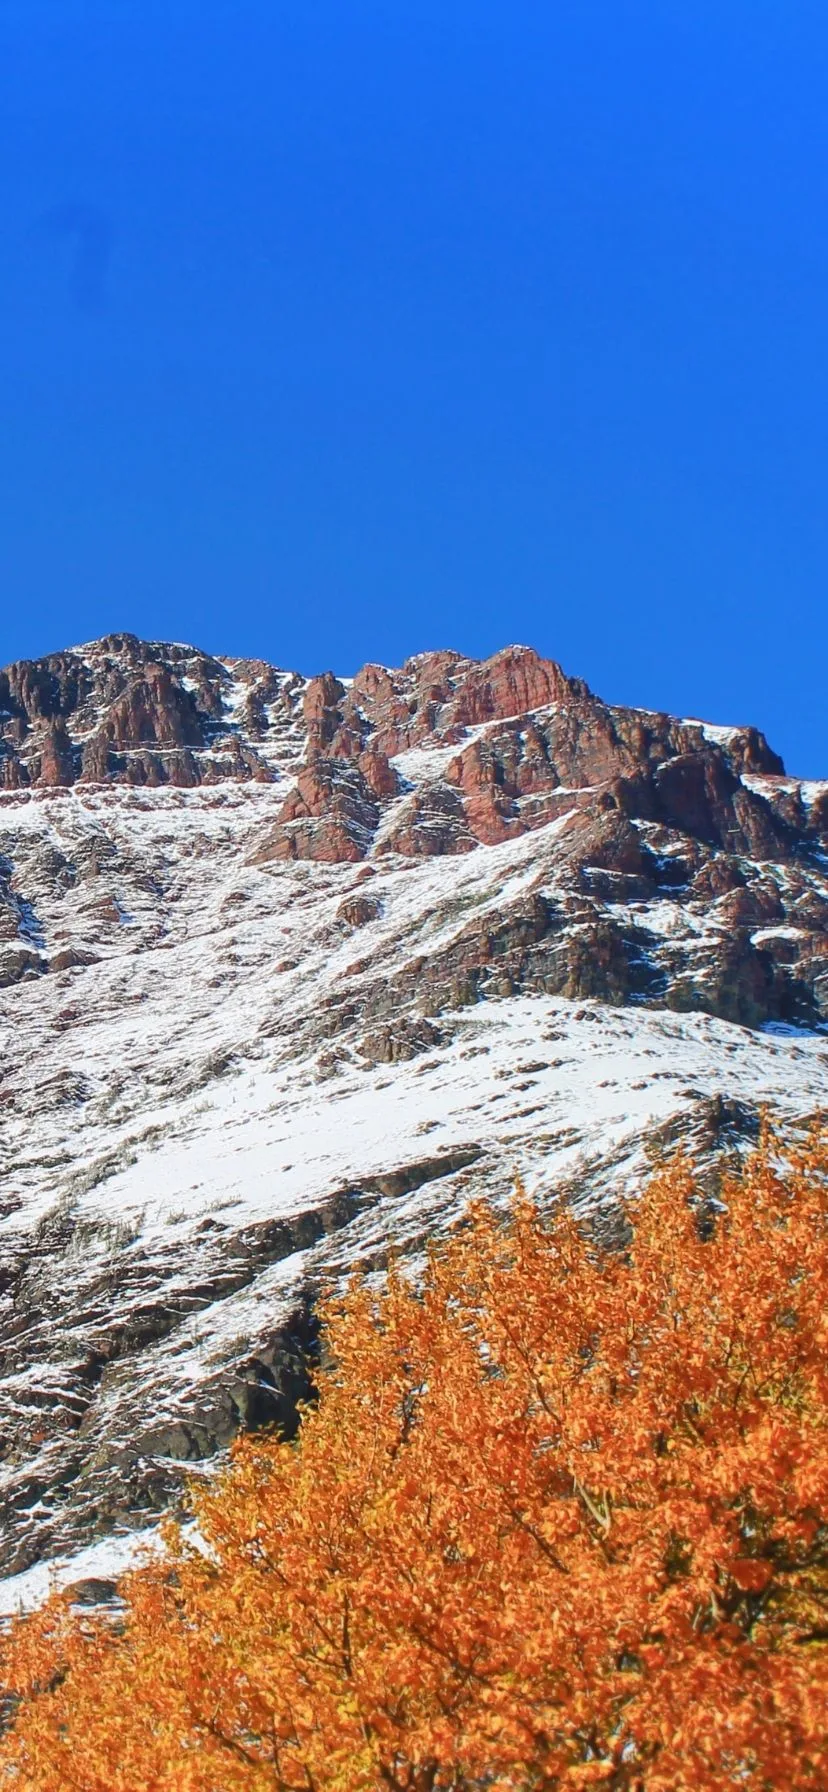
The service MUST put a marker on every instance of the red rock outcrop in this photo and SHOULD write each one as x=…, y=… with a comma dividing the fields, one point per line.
x=56, y=766
x=530, y=744
x=329, y=815
x=432, y=823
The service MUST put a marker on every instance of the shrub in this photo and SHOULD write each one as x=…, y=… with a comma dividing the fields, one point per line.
x=557, y=1520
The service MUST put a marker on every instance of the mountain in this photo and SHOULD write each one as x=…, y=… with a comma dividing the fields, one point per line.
x=290, y=967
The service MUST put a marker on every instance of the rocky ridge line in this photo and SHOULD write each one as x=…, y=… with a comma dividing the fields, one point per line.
x=439, y=758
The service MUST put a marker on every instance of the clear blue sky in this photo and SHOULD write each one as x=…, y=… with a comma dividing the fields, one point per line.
x=336, y=331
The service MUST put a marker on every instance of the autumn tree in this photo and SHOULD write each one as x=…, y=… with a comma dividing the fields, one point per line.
x=556, y=1520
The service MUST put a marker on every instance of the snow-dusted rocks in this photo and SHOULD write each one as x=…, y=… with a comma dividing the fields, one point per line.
x=289, y=967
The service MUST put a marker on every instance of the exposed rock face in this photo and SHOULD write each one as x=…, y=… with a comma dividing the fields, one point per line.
x=358, y=910
x=330, y=814
x=124, y=711
x=290, y=967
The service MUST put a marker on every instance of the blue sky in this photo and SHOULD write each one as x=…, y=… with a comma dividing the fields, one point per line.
x=335, y=331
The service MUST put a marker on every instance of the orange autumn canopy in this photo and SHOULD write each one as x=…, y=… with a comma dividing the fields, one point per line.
x=557, y=1520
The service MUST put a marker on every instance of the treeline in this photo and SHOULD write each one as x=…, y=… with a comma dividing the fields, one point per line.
x=557, y=1520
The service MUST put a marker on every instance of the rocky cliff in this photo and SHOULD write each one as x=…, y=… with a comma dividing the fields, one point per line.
x=289, y=966
x=660, y=822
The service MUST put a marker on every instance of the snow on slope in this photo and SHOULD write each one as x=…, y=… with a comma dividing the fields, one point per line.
x=169, y=1104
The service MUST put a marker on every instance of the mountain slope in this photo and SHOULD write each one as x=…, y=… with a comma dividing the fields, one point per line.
x=289, y=967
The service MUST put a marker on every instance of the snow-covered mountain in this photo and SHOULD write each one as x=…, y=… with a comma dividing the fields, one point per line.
x=290, y=967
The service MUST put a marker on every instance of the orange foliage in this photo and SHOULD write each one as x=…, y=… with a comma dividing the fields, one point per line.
x=555, y=1522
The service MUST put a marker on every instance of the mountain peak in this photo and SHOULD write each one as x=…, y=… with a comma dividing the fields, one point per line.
x=121, y=710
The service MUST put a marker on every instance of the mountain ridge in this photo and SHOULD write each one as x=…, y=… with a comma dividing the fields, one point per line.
x=438, y=758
